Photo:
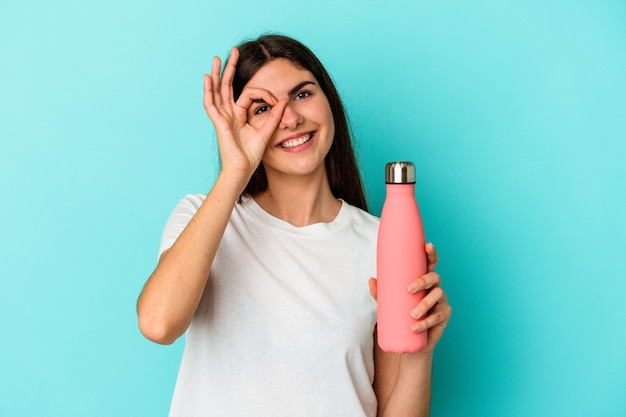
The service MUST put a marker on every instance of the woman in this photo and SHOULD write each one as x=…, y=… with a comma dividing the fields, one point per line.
x=267, y=273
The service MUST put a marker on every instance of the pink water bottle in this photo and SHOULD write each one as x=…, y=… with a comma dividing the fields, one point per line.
x=401, y=258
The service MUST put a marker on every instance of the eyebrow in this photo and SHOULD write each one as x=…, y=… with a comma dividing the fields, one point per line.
x=299, y=86
x=291, y=92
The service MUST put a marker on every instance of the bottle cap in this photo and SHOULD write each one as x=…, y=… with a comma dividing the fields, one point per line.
x=400, y=173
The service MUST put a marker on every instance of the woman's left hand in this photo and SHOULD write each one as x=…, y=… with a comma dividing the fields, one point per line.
x=433, y=312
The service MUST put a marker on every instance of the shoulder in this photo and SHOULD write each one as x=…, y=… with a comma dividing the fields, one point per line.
x=190, y=203
x=361, y=214
x=179, y=218
x=361, y=219
x=184, y=211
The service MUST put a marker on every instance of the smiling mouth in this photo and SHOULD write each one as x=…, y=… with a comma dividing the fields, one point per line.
x=292, y=143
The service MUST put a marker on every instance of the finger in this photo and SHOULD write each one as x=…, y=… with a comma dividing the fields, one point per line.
x=431, y=257
x=426, y=281
x=251, y=95
x=273, y=119
x=208, y=92
x=212, y=108
x=249, y=100
x=215, y=81
x=209, y=103
x=428, y=302
x=226, y=86
x=373, y=288
x=439, y=316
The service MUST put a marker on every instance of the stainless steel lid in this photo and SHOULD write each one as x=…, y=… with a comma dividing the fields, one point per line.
x=400, y=173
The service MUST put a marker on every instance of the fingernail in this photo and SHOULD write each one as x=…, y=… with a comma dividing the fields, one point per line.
x=417, y=327
x=416, y=314
x=412, y=287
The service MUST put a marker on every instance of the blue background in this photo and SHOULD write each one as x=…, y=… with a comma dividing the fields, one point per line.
x=513, y=111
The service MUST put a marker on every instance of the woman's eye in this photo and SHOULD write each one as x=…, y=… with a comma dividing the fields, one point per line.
x=262, y=109
x=302, y=95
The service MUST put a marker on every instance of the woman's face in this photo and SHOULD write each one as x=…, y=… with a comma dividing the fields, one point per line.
x=306, y=130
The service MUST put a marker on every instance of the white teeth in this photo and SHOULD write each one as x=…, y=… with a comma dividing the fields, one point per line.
x=292, y=143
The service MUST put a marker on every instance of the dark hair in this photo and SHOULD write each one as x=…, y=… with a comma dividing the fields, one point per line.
x=341, y=166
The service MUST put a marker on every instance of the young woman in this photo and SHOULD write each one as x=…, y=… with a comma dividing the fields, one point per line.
x=268, y=274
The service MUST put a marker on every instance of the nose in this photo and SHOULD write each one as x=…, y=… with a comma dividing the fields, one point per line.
x=291, y=118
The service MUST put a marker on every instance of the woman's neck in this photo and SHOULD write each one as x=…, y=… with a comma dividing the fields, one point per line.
x=300, y=202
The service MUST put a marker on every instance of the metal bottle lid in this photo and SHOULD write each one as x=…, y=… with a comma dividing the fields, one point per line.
x=400, y=173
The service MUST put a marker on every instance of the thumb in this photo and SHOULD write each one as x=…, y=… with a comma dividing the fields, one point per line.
x=274, y=118
x=373, y=288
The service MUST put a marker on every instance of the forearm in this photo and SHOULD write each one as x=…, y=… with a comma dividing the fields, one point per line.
x=412, y=389
x=173, y=291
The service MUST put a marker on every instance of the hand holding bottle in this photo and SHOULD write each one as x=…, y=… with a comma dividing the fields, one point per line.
x=433, y=312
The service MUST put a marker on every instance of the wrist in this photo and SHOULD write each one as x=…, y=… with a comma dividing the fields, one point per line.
x=229, y=185
x=236, y=178
x=420, y=359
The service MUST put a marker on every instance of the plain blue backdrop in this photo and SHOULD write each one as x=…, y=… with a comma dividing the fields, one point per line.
x=513, y=111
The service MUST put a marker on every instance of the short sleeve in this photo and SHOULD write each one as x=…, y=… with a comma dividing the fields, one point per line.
x=179, y=219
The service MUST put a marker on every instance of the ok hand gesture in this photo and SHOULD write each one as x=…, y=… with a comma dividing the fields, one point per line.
x=241, y=145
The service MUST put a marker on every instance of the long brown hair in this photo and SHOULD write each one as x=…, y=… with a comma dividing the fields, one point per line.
x=341, y=166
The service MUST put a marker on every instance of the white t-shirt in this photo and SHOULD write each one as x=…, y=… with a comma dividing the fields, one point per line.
x=285, y=325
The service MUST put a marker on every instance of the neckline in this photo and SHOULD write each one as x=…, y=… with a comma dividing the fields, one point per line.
x=253, y=208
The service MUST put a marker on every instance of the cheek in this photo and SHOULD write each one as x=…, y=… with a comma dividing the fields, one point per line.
x=327, y=117
x=331, y=124
x=331, y=130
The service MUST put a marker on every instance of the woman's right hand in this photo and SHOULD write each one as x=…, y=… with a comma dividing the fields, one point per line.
x=241, y=145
